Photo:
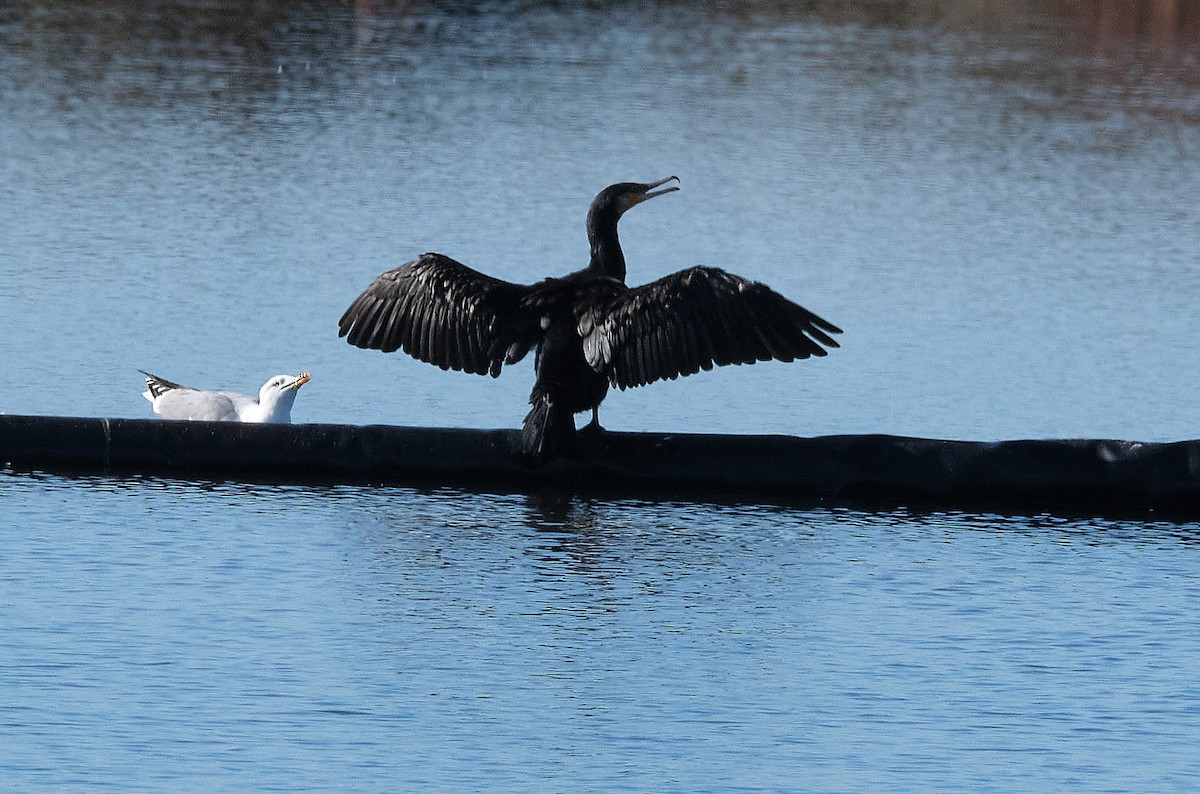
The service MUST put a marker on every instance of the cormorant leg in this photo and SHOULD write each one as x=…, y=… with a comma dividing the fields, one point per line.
x=593, y=427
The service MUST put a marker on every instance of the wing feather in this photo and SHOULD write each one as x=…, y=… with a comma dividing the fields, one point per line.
x=687, y=346
x=393, y=328
x=402, y=321
x=420, y=322
x=695, y=319
x=439, y=311
x=159, y=386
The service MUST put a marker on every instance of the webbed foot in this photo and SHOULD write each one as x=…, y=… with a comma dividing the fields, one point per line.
x=591, y=429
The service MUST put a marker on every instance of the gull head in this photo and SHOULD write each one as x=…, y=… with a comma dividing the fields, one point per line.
x=277, y=395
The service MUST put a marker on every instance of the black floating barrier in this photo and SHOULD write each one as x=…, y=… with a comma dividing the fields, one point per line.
x=1089, y=477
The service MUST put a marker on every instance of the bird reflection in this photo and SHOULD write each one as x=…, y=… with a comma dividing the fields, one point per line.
x=571, y=531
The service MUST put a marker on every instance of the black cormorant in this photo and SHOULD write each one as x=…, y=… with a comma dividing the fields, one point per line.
x=590, y=330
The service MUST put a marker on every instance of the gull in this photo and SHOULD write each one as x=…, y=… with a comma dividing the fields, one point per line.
x=273, y=404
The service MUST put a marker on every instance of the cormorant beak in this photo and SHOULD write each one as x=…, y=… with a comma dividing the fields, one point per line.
x=298, y=382
x=647, y=191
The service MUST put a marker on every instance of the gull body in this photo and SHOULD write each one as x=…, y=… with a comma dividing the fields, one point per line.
x=272, y=406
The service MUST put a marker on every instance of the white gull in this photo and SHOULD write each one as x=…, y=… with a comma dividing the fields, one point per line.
x=273, y=404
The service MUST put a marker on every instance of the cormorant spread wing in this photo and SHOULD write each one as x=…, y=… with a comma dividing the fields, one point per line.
x=590, y=330
x=692, y=320
x=442, y=312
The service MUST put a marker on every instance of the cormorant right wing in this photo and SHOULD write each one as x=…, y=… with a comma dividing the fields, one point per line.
x=439, y=311
x=694, y=319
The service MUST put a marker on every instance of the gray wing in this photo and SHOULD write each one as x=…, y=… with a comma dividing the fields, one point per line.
x=204, y=406
x=242, y=404
x=693, y=319
x=439, y=311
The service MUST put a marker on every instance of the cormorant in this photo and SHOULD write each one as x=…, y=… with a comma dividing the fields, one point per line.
x=272, y=406
x=590, y=330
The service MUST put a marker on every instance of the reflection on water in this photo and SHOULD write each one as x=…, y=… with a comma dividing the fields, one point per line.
x=162, y=633
x=222, y=55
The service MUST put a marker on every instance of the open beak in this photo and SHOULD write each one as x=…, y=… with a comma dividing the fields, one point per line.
x=300, y=381
x=648, y=191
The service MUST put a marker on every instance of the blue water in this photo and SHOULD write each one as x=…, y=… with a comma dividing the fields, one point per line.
x=247, y=637
x=999, y=207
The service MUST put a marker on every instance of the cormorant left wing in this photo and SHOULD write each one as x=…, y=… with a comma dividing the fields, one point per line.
x=693, y=319
x=439, y=311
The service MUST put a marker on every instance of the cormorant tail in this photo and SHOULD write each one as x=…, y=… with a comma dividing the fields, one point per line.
x=547, y=427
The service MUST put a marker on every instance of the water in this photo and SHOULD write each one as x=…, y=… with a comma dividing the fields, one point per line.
x=1000, y=214
x=256, y=637
x=997, y=205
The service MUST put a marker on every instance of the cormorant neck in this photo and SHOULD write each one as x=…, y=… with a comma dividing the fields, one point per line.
x=607, y=257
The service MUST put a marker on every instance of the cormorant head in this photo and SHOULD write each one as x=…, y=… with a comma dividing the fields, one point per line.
x=614, y=200
x=607, y=208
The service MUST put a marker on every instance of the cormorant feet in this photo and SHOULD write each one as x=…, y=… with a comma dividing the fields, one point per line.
x=591, y=430
x=590, y=440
